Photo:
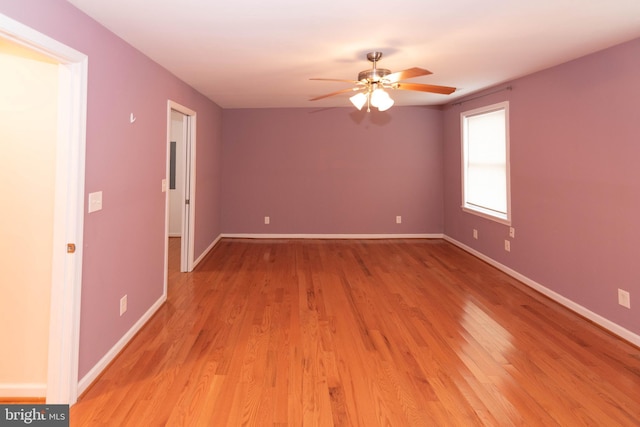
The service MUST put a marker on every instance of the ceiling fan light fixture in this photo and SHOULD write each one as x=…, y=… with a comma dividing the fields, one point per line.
x=358, y=100
x=376, y=97
x=381, y=99
x=386, y=103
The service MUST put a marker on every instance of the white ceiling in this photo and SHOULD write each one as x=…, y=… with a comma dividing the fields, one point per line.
x=260, y=54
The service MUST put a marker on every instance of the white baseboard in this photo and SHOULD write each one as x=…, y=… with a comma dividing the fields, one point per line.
x=16, y=390
x=331, y=236
x=566, y=302
x=91, y=376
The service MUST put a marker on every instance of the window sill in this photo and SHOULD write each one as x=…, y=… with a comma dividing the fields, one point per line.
x=488, y=214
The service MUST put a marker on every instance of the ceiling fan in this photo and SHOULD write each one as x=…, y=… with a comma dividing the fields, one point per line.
x=371, y=85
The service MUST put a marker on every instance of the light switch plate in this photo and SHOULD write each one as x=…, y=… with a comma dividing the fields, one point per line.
x=95, y=201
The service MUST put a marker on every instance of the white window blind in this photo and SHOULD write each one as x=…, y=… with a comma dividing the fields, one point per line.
x=486, y=161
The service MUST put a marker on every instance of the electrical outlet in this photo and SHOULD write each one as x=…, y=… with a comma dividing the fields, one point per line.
x=123, y=305
x=267, y=220
x=507, y=246
x=475, y=234
x=398, y=219
x=624, y=298
x=512, y=232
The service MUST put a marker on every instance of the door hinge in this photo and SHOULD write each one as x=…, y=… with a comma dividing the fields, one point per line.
x=187, y=202
x=71, y=248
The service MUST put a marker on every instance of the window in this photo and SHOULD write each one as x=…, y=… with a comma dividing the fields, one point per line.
x=485, y=162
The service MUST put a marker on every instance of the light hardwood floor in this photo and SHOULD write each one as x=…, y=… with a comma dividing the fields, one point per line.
x=362, y=333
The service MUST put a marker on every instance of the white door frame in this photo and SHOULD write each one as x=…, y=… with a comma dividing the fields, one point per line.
x=188, y=215
x=66, y=279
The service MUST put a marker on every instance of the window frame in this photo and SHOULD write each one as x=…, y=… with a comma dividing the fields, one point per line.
x=503, y=218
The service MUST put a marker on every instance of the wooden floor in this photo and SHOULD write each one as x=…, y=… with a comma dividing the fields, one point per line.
x=362, y=333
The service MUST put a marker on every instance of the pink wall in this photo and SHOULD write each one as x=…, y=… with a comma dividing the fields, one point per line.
x=332, y=171
x=575, y=181
x=123, y=243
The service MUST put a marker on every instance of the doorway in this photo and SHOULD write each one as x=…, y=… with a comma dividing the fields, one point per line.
x=67, y=214
x=29, y=85
x=180, y=183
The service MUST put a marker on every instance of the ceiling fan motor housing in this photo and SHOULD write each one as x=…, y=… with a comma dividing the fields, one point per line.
x=373, y=75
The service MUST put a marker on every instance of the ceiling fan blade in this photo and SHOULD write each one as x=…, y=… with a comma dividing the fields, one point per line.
x=351, y=89
x=337, y=80
x=445, y=90
x=407, y=74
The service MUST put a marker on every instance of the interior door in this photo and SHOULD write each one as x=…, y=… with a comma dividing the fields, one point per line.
x=186, y=212
x=187, y=208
